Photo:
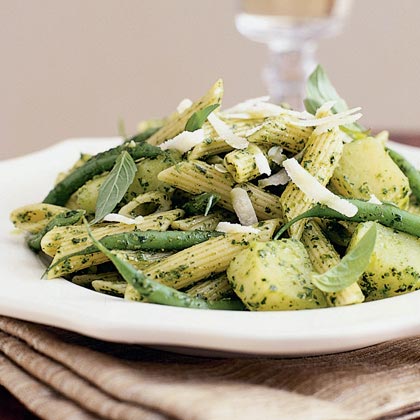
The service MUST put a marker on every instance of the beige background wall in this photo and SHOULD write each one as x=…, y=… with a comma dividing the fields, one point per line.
x=74, y=67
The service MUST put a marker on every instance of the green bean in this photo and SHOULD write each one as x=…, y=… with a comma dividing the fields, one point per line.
x=136, y=147
x=201, y=204
x=156, y=292
x=386, y=214
x=408, y=170
x=63, y=219
x=146, y=240
x=143, y=135
x=157, y=240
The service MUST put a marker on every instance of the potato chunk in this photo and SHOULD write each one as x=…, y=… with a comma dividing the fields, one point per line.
x=86, y=196
x=394, y=267
x=365, y=168
x=275, y=276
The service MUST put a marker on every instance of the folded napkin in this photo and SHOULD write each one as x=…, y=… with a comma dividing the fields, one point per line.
x=61, y=375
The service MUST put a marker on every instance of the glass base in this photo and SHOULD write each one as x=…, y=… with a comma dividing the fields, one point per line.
x=287, y=71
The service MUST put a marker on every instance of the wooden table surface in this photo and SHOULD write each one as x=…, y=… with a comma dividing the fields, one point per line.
x=12, y=409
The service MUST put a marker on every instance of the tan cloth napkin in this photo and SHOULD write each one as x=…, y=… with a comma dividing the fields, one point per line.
x=61, y=375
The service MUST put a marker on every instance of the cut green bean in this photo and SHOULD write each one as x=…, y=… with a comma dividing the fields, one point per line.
x=156, y=240
x=408, y=170
x=146, y=240
x=156, y=292
x=67, y=218
x=102, y=162
x=385, y=214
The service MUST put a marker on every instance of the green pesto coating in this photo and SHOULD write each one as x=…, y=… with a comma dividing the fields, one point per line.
x=146, y=240
x=100, y=163
x=156, y=240
x=156, y=292
x=66, y=218
x=385, y=214
x=408, y=170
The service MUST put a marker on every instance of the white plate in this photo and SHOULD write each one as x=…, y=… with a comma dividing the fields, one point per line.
x=60, y=303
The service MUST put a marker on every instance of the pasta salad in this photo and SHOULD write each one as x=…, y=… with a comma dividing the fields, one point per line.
x=257, y=207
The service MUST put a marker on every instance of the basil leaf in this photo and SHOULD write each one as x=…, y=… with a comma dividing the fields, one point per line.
x=201, y=204
x=197, y=119
x=319, y=90
x=350, y=268
x=115, y=186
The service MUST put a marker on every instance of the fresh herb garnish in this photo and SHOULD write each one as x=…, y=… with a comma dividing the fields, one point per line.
x=201, y=204
x=197, y=119
x=319, y=90
x=350, y=268
x=115, y=186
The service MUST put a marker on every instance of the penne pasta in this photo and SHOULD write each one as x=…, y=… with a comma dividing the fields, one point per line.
x=176, y=124
x=33, y=218
x=320, y=158
x=323, y=257
x=196, y=177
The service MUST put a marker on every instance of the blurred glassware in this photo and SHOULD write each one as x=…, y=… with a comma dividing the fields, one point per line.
x=291, y=29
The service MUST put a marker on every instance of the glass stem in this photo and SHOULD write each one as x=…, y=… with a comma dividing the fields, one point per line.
x=287, y=71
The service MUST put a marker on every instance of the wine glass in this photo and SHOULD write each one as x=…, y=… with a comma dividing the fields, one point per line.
x=291, y=29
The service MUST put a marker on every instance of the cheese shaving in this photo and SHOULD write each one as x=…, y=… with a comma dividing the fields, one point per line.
x=325, y=108
x=246, y=105
x=220, y=168
x=279, y=178
x=262, y=110
x=227, y=227
x=276, y=154
x=343, y=121
x=262, y=164
x=341, y=118
x=119, y=218
x=316, y=191
x=253, y=130
x=374, y=200
x=243, y=206
x=184, y=141
x=184, y=105
x=224, y=131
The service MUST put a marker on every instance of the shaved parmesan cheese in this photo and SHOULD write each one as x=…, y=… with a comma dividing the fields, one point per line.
x=119, y=218
x=341, y=118
x=224, y=131
x=184, y=105
x=279, y=178
x=227, y=227
x=262, y=163
x=316, y=191
x=184, y=141
x=259, y=108
x=275, y=153
x=253, y=130
x=220, y=168
x=243, y=207
x=374, y=200
x=325, y=108
x=343, y=121
x=246, y=105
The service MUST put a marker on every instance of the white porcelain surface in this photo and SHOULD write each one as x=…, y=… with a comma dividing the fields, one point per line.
x=60, y=303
